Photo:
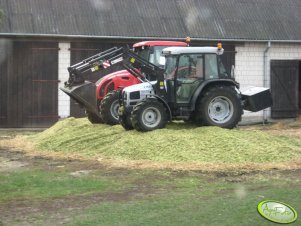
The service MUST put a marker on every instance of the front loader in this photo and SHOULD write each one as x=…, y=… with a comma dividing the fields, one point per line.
x=193, y=86
x=100, y=100
x=83, y=91
x=79, y=89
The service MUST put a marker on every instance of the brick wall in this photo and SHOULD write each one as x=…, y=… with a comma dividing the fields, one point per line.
x=249, y=68
x=64, y=62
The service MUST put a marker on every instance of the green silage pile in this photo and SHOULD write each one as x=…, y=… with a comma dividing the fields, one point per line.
x=179, y=142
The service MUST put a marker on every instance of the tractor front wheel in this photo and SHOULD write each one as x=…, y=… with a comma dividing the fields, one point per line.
x=125, y=122
x=149, y=115
x=108, y=108
x=219, y=106
x=93, y=118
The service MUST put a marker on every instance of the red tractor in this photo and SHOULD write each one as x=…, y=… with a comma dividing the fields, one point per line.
x=104, y=108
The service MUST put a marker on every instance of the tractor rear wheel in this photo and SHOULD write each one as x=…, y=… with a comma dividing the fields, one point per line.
x=149, y=115
x=219, y=106
x=93, y=118
x=125, y=121
x=108, y=108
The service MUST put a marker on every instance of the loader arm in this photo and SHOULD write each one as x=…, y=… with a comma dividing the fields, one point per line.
x=133, y=63
x=93, y=63
x=83, y=92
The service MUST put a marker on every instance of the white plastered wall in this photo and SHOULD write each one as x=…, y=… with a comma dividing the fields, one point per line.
x=64, y=62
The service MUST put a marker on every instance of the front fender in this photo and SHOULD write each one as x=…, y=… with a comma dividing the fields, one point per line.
x=165, y=104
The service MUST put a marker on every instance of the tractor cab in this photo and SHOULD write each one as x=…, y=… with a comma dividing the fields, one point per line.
x=186, y=68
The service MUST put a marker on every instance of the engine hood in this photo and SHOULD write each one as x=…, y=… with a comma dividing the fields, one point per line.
x=113, y=75
x=145, y=86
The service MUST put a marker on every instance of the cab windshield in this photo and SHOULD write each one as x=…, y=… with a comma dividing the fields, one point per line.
x=152, y=54
x=143, y=52
x=170, y=67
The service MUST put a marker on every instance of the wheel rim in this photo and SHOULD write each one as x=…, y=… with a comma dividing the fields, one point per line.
x=151, y=117
x=220, y=110
x=114, y=109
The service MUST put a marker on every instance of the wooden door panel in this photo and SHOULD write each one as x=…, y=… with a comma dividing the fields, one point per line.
x=29, y=102
x=284, y=88
x=4, y=58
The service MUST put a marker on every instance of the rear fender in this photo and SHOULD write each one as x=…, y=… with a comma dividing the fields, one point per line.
x=209, y=83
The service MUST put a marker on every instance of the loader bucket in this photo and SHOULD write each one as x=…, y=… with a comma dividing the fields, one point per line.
x=84, y=94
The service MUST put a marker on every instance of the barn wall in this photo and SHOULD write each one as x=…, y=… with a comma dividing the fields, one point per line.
x=249, y=68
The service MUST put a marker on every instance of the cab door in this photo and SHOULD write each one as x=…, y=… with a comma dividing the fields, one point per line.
x=190, y=73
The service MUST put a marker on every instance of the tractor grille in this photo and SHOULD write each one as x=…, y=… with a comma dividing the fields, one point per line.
x=135, y=95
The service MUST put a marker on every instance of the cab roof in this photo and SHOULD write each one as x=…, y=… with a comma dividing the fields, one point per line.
x=193, y=50
x=159, y=43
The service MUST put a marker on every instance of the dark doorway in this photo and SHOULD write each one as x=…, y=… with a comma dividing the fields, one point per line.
x=285, y=88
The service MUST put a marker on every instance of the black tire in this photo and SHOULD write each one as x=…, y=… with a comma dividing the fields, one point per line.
x=219, y=106
x=93, y=118
x=108, y=108
x=125, y=122
x=149, y=115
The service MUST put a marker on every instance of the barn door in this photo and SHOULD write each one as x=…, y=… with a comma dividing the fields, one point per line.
x=31, y=90
x=44, y=84
x=284, y=88
x=5, y=52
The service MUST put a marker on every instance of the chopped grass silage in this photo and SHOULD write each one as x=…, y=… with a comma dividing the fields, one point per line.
x=179, y=142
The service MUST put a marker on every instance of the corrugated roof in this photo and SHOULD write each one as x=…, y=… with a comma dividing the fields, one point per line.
x=203, y=19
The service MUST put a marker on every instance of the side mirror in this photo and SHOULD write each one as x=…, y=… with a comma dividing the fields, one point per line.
x=233, y=71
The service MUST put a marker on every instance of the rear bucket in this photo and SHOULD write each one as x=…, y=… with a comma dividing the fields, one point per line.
x=84, y=94
x=257, y=98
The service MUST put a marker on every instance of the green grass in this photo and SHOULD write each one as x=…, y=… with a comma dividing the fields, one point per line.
x=194, y=203
x=147, y=197
x=179, y=142
x=32, y=184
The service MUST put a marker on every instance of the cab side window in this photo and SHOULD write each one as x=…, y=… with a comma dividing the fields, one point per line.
x=183, y=68
x=211, y=70
x=190, y=67
x=189, y=76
